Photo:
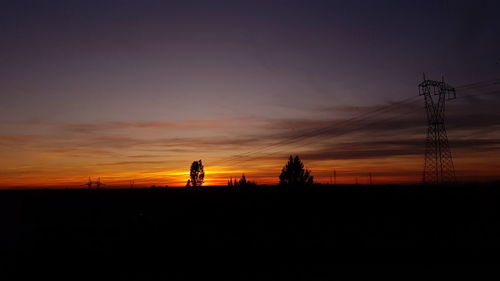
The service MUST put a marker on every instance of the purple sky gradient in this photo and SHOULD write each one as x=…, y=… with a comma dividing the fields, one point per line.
x=85, y=69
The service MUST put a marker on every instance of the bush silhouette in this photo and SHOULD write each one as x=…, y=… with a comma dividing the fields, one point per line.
x=294, y=173
x=196, y=174
x=243, y=182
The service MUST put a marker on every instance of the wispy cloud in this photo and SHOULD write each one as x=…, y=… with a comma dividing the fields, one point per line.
x=356, y=136
x=182, y=125
x=124, y=163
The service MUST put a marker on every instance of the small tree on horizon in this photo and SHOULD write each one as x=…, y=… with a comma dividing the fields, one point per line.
x=294, y=173
x=242, y=182
x=196, y=174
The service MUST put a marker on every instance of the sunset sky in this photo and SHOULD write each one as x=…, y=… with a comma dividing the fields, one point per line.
x=138, y=90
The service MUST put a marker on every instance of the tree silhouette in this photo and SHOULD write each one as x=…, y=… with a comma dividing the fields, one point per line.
x=243, y=182
x=230, y=182
x=196, y=174
x=294, y=173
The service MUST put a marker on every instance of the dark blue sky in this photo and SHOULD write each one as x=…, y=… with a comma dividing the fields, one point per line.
x=341, y=51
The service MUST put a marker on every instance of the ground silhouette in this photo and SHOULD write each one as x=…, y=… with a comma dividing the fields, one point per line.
x=129, y=225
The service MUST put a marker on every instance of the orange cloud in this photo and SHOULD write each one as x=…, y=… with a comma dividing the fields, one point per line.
x=159, y=153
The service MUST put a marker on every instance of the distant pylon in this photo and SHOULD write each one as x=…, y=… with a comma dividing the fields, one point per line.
x=438, y=166
x=98, y=183
x=89, y=183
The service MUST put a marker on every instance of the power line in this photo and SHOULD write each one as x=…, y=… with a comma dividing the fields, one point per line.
x=480, y=84
x=322, y=130
x=344, y=122
x=237, y=159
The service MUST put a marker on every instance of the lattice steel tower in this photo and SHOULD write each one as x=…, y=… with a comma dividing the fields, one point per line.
x=438, y=166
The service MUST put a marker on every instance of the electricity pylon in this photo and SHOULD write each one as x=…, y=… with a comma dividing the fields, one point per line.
x=88, y=184
x=98, y=183
x=438, y=166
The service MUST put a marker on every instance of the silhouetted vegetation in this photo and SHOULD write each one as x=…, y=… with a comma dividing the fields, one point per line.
x=154, y=187
x=196, y=174
x=294, y=173
x=242, y=182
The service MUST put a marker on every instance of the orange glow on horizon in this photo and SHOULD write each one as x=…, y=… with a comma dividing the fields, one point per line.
x=219, y=175
x=46, y=161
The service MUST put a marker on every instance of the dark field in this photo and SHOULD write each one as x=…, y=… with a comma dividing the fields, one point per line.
x=133, y=224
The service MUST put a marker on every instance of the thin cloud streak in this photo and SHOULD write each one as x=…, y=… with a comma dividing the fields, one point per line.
x=345, y=140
